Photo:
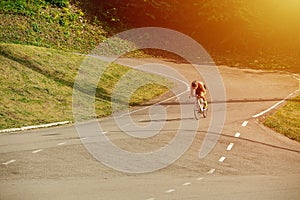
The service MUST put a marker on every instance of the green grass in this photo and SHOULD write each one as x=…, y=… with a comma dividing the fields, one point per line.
x=36, y=85
x=42, y=24
x=286, y=120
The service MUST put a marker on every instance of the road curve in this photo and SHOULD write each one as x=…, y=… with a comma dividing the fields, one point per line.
x=249, y=161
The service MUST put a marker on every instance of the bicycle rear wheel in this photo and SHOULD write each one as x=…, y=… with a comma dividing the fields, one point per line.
x=197, y=114
x=205, y=112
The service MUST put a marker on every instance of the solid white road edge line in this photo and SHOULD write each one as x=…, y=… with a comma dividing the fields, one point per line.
x=277, y=104
x=33, y=127
x=267, y=110
x=177, y=96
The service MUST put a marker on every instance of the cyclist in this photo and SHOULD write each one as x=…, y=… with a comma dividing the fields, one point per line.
x=198, y=89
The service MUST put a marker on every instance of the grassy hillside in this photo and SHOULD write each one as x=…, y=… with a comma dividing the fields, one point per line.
x=53, y=23
x=36, y=85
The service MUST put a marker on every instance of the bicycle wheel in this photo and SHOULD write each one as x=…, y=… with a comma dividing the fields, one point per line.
x=205, y=112
x=197, y=114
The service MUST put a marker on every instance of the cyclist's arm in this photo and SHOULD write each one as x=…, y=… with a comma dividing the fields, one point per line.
x=192, y=93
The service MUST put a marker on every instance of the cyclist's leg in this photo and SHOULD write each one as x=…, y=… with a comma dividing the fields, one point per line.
x=202, y=95
x=198, y=103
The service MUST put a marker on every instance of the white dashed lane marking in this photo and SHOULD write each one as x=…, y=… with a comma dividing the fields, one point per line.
x=170, y=190
x=245, y=123
x=230, y=146
x=186, y=184
x=222, y=159
x=9, y=162
x=62, y=143
x=211, y=171
x=198, y=179
x=36, y=151
x=237, y=135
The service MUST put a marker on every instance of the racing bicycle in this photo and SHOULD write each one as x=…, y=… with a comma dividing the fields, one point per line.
x=199, y=108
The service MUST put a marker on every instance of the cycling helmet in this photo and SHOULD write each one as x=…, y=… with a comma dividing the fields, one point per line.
x=194, y=84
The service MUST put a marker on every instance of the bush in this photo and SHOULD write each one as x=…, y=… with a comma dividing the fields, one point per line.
x=59, y=3
x=17, y=7
x=26, y=7
x=41, y=23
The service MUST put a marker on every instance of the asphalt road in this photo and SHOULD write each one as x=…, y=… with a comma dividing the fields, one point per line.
x=248, y=161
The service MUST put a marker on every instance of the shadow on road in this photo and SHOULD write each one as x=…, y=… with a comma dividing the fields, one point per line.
x=166, y=120
x=227, y=101
x=224, y=135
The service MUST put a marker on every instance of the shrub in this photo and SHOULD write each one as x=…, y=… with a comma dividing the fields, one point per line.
x=59, y=3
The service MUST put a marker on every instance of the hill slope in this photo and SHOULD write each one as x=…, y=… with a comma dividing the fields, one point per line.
x=42, y=23
x=36, y=85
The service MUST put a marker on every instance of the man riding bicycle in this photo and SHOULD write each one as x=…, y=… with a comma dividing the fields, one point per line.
x=198, y=89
